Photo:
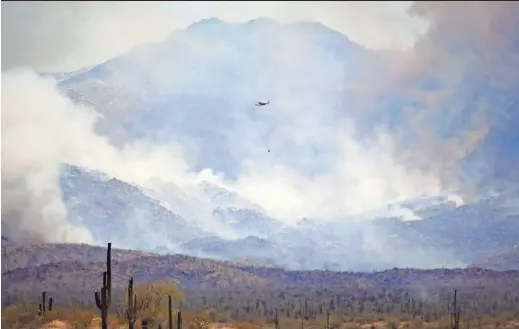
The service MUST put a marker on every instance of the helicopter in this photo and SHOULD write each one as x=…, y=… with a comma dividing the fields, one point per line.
x=262, y=103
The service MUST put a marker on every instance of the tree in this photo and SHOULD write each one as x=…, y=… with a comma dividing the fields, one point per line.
x=152, y=300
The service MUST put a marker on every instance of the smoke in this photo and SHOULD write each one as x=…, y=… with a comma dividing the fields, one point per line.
x=68, y=36
x=65, y=36
x=473, y=50
x=42, y=129
x=324, y=163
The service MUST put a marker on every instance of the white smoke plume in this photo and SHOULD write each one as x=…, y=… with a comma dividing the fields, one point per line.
x=41, y=128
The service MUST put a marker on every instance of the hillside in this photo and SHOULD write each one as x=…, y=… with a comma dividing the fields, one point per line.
x=214, y=92
x=107, y=206
x=230, y=292
x=212, y=97
x=503, y=261
x=302, y=67
x=291, y=176
x=15, y=255
x=121, y=212
x=76, y=269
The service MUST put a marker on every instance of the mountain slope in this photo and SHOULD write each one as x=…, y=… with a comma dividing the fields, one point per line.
x=176, y=90
x=179, y=91
x=32, y=255
x=73, y=279
x=116, y=211
x=503, y=261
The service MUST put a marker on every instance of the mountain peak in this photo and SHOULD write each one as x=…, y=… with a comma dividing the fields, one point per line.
x=208, y=21
x=262, y=20
x=214, y=23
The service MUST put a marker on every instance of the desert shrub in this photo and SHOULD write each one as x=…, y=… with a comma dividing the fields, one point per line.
x=20, y=314
x=416, y=324
x=151, y=322
x=404, y=325
x=13, y=317
x=369, y=318
x=261, y=321
x=212, y=314
x=18, y=317
x=77, y=317
x=393, y=324
x=245, y=325
x=289, y=323
x=197, y=321
x=350, y=326
x=222, y=317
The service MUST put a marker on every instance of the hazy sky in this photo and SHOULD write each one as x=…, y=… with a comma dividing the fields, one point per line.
x=70, y=35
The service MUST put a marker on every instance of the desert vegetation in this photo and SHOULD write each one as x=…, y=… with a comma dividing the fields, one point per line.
x=162, y=304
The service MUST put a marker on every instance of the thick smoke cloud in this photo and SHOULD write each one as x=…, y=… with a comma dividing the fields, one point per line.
x=467, y=42
x=473, y=49
x=42, y=129
x=66, y=36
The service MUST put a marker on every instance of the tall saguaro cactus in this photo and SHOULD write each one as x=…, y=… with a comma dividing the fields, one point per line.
x=170, y=315
x=179, y=317
x=42, y=307
x=103, y=299
x=131, y=310
x=306, y=313
x=455, y=312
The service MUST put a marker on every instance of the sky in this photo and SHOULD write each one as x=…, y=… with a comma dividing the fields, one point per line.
x=461, y=43
x=64, y=36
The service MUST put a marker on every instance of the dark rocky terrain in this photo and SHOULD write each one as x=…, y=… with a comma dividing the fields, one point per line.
x=73, y=270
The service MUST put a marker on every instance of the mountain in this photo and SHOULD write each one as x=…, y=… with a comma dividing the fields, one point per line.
x=32, y=255
x=218, y=210
x=219, y=248
x=441, y=239
x=61, y=76
x=116, y=211
x=72, y=274
x=504, y=261
x=475, y=230
x=178, y=91
x=247, y=221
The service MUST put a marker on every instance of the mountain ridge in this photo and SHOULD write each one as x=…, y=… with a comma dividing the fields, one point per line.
x=503, y=261
x=65, y=273
x=382, y=242
x=176, y=91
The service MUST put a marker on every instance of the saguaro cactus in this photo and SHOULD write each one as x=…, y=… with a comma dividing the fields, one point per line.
x=170, y=310
x=103, y=299
x=306, y=313
x=455, y=312
x=42, y=307
x=131, y=310
x=179, y=318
